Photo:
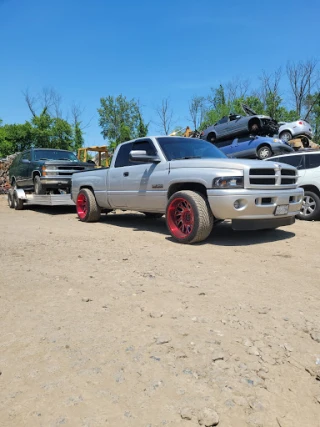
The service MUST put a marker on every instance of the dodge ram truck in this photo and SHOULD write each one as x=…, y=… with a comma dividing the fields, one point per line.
x=193, y=183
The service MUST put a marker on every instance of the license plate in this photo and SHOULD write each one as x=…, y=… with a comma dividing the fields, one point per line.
x=282, y=210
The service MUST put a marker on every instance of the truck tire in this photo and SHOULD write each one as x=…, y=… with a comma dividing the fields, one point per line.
x=17, y=203
x=310, y=209
x=38, y=188
x=10, y=199
x=152, y=215
x=189, y=217
x=87, y=207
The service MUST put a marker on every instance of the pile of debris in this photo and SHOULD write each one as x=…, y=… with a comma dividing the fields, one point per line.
x=4, y=173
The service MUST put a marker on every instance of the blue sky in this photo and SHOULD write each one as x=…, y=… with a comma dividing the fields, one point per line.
x=146, y=50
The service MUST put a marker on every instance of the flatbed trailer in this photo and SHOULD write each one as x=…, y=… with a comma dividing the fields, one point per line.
x=18, y=198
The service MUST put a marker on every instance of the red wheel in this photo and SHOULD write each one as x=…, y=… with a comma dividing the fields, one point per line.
x=180, y=217
x=82, y=206
x=189, y=218
x=87, y=207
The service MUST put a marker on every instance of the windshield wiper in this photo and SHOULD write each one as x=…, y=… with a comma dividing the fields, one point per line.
x=188, y=157
x=43, y=158
x=64, y=159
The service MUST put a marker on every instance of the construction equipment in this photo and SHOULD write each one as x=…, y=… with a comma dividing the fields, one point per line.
x=188, y=133
x=103, y=154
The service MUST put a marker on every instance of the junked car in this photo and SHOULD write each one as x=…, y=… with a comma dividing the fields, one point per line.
x=260, y=147
x=289, y=130
x=236, y=125
x=45, y=169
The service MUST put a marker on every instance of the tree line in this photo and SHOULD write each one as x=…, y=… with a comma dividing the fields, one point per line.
x=121, y=119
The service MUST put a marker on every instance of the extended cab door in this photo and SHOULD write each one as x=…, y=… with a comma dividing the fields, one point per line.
x=137, y=186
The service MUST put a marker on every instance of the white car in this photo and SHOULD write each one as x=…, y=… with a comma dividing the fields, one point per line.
x=308, y=165
x=289, y=130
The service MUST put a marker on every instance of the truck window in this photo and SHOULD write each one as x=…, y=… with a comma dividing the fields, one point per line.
x=312, y=161
x=123, y=156
x=26, y=156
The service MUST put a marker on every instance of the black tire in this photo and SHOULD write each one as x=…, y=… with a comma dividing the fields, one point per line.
x=38, y=188
x=14, y=184
x=211, y=138
x=189, y=217
x=152, y=215
x=88, y=209
x=17, y=203
x=310, y=209
x=264, y=152
x=10, y=200
x=254, y=128
x=285, y=136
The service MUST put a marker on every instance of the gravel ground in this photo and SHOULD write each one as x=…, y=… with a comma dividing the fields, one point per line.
x=114, y=324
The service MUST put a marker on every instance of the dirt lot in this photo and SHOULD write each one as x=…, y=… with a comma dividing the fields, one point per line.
x=114, y=324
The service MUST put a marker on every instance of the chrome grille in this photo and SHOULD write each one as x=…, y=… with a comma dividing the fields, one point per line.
x=268, y=177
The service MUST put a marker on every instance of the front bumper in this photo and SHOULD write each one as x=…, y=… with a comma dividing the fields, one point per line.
x=254, y=204
x=55, y=182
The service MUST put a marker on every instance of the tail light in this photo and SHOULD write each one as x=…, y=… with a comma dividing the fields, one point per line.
x=202, y=133
x=300, y=123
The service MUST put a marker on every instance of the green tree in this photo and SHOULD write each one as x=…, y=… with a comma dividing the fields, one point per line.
x=120, y=119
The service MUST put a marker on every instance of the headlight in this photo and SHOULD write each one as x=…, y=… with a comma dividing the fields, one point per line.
x=223, y=182
x=277, y=140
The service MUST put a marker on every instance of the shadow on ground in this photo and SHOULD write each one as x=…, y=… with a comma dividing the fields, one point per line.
x=222, y=234
x=52, y=210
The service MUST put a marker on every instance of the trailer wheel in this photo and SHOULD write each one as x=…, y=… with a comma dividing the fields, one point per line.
x=10, y=200
x=17, y=203
x=87, y=207
x=189, y=217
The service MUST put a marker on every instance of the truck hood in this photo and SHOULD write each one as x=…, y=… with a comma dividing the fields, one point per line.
x=228, y=163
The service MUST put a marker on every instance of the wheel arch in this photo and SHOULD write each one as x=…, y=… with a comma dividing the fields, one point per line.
x=35, y=173
x=192, y=186
x=211, y=133
x=311, y=188
x=254, y=120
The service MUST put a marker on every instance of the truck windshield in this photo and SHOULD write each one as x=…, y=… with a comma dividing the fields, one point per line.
x=176, y=148
x=54, y=155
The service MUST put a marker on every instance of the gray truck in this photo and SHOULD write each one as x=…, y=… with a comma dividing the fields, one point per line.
x=193, y=183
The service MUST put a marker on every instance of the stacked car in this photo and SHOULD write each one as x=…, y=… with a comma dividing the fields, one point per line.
x=254, y=135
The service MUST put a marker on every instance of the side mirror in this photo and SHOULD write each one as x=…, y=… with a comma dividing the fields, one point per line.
x=141, y=156
x=25, y=161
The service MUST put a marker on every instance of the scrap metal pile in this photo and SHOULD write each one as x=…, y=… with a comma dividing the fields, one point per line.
x=4, y=173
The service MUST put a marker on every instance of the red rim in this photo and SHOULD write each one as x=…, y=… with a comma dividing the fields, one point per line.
x=180, y=218
x=82, y=206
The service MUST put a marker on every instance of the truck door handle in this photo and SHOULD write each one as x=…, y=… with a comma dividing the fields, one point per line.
x=125, y=173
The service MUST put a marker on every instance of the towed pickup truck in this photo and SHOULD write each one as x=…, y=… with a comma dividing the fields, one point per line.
x=193, y=183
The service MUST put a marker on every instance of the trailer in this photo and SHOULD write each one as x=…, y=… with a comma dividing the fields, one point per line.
x=18, y=199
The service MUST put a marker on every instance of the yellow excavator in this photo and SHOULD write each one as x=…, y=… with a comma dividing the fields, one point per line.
x=103, y=155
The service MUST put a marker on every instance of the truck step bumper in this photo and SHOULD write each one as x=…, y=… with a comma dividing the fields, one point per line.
x=261, y=224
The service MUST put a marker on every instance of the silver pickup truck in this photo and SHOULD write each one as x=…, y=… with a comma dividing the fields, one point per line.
x=193, y=183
